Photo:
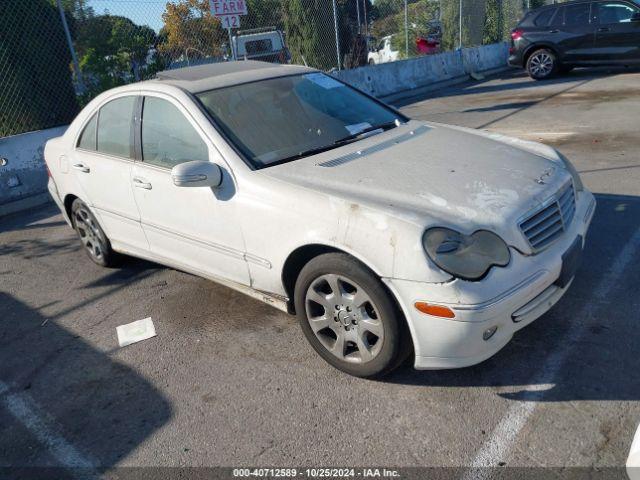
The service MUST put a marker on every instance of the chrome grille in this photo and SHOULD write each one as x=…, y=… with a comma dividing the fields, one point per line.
x=549, y=222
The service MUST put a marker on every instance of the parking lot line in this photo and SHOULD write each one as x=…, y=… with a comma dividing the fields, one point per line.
x=23, y=409
x=499, y=443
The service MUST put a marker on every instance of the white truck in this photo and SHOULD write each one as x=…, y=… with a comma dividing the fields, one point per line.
x=264, y=44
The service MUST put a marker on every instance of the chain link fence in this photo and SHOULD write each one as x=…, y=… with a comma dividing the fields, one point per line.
x=55, y=55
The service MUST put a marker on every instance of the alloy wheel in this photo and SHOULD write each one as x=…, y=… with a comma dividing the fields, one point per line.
x=89, y=232
x=541, y=64
x=344, y=318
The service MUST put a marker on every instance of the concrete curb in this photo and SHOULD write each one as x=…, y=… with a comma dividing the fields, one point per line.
x=25, y=204
x=417, y=92
x=393, y=81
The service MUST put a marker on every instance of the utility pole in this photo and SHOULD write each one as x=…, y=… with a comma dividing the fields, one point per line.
x=335, y=26
x=460, y=27
x=74, y=57
x=406, y=29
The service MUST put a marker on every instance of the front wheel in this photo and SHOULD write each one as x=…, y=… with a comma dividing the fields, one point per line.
x=349, y=317
x=542, y=64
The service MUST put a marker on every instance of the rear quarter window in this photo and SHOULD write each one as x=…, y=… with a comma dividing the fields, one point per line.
x=87, y=140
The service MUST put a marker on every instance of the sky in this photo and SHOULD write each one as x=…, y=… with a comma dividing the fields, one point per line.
x=142, y=12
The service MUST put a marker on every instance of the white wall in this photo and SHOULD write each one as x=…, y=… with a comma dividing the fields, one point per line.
x=405, y=78
x=24, y=175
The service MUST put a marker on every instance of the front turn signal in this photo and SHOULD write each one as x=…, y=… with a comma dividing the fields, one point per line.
x=435, y=310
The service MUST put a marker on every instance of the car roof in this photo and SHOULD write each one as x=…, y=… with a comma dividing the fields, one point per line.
x=225, y=74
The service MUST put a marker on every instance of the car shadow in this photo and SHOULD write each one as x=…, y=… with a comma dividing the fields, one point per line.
x=603, y=362
x=66, y=408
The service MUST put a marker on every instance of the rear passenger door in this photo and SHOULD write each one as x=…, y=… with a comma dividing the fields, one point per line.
x=618, y=32
x=574, y=33
x=102, y=162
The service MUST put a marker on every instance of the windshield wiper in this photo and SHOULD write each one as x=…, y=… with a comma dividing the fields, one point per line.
x=356, y=136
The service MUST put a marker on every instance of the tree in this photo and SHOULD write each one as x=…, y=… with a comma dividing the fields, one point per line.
x=262, y=13
x=112, y=51
x=310, y=32
x=189, y=28
x=493, y=22
x=36, y=89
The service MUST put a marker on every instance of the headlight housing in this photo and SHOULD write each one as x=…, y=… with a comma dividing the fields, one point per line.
x=468, y=257
x=577, y=181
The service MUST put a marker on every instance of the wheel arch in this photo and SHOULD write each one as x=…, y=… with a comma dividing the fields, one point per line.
x=68, y=202
x=302, y=255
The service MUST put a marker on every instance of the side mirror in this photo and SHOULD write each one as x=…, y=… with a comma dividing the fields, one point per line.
x=635, y=17
x=196, y=174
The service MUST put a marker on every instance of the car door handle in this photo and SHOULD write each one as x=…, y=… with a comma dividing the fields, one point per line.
x=141, y=183
x=81, y=168
x=604, y=29
x=554, y=31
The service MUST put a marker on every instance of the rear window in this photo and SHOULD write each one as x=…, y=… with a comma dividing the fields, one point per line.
x=543, y=19
x=256, y=47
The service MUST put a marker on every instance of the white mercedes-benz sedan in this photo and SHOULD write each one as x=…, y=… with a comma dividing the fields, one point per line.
x=386, y=236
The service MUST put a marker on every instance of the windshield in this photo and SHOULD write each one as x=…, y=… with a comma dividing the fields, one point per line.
x=281, y=119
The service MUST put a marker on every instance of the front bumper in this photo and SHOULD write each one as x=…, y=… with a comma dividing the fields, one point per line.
x=508, y=298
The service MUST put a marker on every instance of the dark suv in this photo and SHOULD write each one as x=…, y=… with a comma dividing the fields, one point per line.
x=558, y=37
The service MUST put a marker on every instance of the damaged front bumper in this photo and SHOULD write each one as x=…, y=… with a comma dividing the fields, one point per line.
x=488, y=312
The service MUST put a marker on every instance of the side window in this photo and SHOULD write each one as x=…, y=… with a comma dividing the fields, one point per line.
x=87, y=140
x=577, y=15
x=558, y=19
x=614, y=12
x=543, y=19
x=114, y=127
x=167, y=136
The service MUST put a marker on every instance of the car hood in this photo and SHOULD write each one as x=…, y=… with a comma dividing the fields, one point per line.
x=434, y=174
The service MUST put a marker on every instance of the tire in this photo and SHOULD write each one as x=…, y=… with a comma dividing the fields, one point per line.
x=542, y=64
x=95, y=242
x=360, y=330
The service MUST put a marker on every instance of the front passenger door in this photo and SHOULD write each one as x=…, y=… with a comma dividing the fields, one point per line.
x=194, y=227
x=618, y=32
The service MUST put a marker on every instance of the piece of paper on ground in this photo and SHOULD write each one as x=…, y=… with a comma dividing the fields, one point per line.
x=135, y=332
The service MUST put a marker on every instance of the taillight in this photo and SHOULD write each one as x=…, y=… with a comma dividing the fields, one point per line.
x=48, y=171
x=516, y=35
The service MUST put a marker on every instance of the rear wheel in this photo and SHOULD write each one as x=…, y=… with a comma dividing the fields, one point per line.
x=542, y=64
x=95, y=242
x=348, y=316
